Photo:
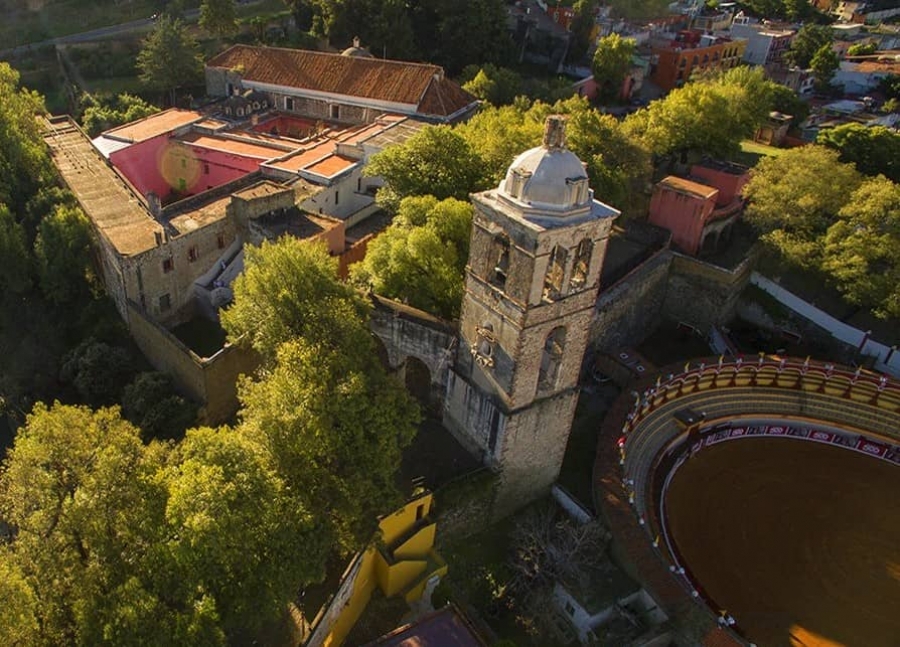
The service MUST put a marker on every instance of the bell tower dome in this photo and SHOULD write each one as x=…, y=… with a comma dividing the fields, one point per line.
x=537, y=247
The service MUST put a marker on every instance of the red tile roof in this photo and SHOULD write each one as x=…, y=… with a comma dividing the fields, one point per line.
x=416, y=84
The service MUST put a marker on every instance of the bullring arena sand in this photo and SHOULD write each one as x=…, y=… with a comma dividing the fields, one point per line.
x=798, y=541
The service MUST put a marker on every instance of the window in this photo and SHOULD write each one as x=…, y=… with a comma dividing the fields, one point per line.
x=551, y=358
x=337, y=198
x=228, y=110
x=335, y=112
x=193, y=253
x=359, y=185
x=581, y=265
x=165, y=303
x=556, y=271
x=240, y=112
x=168, y=265
x=288, y=103
x=220, y=241
x=205, y=168
x=500, y=256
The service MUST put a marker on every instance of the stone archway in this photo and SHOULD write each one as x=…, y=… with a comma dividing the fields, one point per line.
x=381, y=352
x=417, y=378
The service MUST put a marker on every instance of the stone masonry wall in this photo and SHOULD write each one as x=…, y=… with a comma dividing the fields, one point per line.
x=702, y=294
x=630, y=309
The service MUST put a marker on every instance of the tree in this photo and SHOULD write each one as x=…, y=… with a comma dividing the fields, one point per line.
x=117, y=542
x=170, y=58
x=98, y=371
x=235, y=531
x=786, y=101
x=289, y=289
x=151, y=403
x=303, y=12
x=795, y=197
x=108, y=112
x=421, y=258
x=873, y=149
x=496, y=85
x=581, y=29
x=382, y=25
x=862, y=49
x=806, y=42
x=63, y=253
x=324, y=407
x=218, y=17
x=862, y=248
x=18, y=602
x=824, y=64
x=435, y=161
x=639, y=9
x=708, y=116
x=24, y=163
x=797, y=10
x=611, y=63
x=15, y=261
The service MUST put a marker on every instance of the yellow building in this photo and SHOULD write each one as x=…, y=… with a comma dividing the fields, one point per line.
x=400, y=560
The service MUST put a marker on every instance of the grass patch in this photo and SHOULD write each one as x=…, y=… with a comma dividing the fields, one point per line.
x=752, y=152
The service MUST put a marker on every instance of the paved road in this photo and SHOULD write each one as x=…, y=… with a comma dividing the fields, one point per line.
x=94, y=34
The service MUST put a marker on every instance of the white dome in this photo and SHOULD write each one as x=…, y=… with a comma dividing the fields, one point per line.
x=549, y=177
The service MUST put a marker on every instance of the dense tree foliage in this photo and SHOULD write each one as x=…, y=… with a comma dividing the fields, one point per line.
x=584, y=23
x=611, y=63
x=421, y=258
x=436, y=161
x=117, y=542
x=710, y=116
x=807, y=42
x=824, y=64
x=873, y=149
x=15, y=261
x=151, y=402
x=795, y=197
x=64, y=258
x=170, y=58
x=639, y=9
x=218, y=17
x=103, y=113
x=862, y=248
x=496, y=85
x=24, y=163
x=324, y=407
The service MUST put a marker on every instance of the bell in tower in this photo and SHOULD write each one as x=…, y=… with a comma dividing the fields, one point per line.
x=537, y=247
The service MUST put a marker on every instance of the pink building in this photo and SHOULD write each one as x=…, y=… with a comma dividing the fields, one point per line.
x=701, y=210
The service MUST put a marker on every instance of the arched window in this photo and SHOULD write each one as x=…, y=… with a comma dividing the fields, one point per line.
x=551, y=358
x=556, y=272
x=499, y=257
x=581, y=265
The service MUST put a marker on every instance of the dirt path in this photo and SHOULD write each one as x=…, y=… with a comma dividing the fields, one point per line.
x=800, y=542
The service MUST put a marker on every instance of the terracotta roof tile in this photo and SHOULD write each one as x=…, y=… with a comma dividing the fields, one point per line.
x=368, y=78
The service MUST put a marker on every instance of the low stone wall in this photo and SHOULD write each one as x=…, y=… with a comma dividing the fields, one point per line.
x=703, y=294
x=210, y=381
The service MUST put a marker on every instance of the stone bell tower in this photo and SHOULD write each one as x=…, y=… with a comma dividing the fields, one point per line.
x=537, y=247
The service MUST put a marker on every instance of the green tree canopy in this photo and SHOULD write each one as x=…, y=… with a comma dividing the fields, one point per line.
x=324, y=407
x=97, y=371
x=24, y=163
x=15, y=261
x=421, y=258
x=806, y=42
x=795, y=197
x=639, y=9
x=117, y=542
x=436, y=161
x=709, y=116
x=824, y=64
x=496, y=85
x=63, y=253
x=498, y=135
x=582, y=28
x=170, y=58
x=151, y=402
x=289, y=289
x=108, y=112
x=383, y=26
x=218, y=17
x=873, y=149
x=862, y=248
x=611, y=63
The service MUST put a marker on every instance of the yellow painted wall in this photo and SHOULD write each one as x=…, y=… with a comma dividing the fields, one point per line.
x=393, y=573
